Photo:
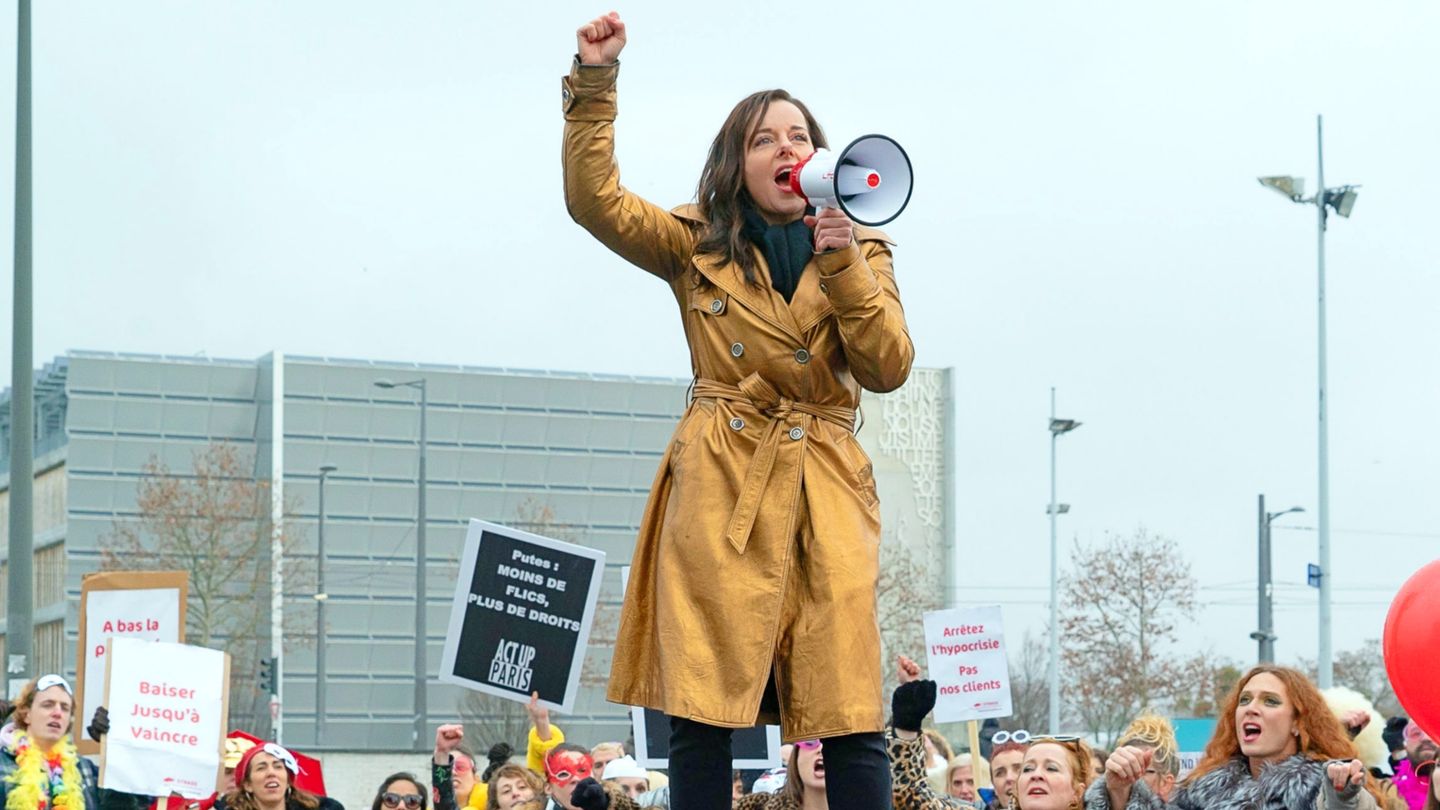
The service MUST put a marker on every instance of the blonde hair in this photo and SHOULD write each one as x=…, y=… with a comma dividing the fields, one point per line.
x=607, y=748
x=1155, y=733
x=979, y=768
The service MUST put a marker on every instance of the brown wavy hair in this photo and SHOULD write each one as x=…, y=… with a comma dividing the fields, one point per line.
x=511, y=771
x=1321, y=737
x=721, y=192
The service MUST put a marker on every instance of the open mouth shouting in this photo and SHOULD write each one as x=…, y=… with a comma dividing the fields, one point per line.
x=782, y=179
x=1250, y=731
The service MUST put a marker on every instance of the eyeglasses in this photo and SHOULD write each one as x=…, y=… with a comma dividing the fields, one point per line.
x=462, y=764
x=1001, y=737
x=411, y=800
x=808, y=745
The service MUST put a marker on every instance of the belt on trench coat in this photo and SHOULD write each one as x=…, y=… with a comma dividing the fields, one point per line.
x=755, y=390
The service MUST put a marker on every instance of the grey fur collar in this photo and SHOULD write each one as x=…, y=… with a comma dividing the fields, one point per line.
x=1290, y=784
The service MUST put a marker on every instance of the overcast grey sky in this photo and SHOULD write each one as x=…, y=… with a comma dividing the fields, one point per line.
x=382, y=180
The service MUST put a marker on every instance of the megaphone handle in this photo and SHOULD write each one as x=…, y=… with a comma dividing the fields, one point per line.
x=825, y=202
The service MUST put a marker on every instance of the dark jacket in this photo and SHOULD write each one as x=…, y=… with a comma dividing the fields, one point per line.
x=95, y=797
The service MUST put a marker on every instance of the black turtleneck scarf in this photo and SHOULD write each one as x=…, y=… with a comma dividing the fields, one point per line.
x=787, y=248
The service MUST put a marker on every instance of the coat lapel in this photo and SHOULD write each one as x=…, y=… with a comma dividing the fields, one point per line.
x=764, y=302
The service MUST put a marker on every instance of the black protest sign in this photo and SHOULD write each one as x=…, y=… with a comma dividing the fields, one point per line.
x=521, y=616
x=757, y=747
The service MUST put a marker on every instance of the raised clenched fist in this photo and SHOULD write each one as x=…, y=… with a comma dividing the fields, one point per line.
x=600, y=41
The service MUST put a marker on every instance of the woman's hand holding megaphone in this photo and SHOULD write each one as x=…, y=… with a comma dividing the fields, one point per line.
x=600, y=41
x=833, y=230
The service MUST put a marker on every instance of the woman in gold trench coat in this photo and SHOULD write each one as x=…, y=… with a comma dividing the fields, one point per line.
x=752, y=589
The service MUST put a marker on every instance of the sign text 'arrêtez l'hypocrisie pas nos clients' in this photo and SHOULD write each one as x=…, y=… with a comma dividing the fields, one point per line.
x=965, y=648
x=521, y=615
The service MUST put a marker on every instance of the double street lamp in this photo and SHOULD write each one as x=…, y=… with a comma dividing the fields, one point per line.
x=1342, y=200
x=1058, y=428
x=1265, y=635
x=421, y=711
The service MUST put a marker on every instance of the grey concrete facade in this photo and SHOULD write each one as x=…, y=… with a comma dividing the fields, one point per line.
x=575, y=452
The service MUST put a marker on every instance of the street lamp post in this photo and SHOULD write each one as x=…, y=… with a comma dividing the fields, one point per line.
x=321, y=597
x=421, y=710
x=1058, y=427
x=1266, y=634
x=1342, y=199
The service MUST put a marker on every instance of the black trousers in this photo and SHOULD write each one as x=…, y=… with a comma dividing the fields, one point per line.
x=857, y=769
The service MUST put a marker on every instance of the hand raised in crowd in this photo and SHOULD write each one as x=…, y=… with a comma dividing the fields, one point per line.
x=539, y=717
x=1344, y=774
x=1355, y=721
x=913, y=699
x=589, y=795
x=906, y=669
x=1123, y=769
x=447, y=739
x=99, y=724
x=600, y=41
x=833, y=230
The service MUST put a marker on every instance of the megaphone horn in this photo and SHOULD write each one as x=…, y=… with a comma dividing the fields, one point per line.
x=870, y=180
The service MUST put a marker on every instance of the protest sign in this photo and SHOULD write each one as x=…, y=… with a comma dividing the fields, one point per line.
x=757, y=747
x=167, y=705
x=129, y=604
x=521, y=616
x=965, y=648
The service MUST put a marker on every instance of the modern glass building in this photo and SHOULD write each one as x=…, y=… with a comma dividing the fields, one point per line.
x=563, y=454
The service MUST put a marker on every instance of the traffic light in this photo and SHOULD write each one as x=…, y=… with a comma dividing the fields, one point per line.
x=269, y=675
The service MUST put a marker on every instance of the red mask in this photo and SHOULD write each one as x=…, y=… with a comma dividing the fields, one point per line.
x=568, y=767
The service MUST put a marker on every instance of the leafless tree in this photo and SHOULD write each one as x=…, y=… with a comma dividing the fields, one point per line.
x=213, y=522
x=1123, y=602
x=1029, y=685
x=902, y=596
x=1363, y=669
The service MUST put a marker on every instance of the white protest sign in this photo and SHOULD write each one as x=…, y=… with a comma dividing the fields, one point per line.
x=152, y=614
x=965, y=648
x=521, y=616
x=167, y=705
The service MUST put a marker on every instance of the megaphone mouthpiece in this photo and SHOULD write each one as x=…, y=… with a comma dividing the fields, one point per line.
x=853, y=179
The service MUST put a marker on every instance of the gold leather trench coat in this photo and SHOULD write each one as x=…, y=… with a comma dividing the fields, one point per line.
x=759, y=549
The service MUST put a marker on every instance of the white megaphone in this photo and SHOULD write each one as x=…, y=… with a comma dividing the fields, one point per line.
x=870, y=180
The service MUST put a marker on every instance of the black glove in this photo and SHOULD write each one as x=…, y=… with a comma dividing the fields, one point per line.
x=589, y=795
x=910, y=703
x=1394, y=733
x=99, y=725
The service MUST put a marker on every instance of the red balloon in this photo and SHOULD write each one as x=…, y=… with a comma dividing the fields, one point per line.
x=1412, y=644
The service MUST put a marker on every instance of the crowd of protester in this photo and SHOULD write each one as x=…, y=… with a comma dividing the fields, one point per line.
x=1278, y=745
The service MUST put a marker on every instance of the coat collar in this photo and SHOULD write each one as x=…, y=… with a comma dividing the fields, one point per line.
x=807, y=307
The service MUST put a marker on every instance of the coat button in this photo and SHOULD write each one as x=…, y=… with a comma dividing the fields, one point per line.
x=797, y=433
x=824, y=288
x=802, y=357
x=716, y=306
x=737, y=423
x=737, y=349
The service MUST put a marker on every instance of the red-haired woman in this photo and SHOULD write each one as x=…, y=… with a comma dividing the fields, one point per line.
x=1276, y=745
x=752, y=595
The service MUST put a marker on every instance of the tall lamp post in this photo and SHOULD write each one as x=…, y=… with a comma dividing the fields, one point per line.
x=1058, y=428
x=1342, y=199
x=421, y=711
x=321, y=597
x=1266, y=634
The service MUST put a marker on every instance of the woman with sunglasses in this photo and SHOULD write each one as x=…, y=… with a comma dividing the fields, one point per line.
x=1276, y=745
x=400, y=791
x=265, y=780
